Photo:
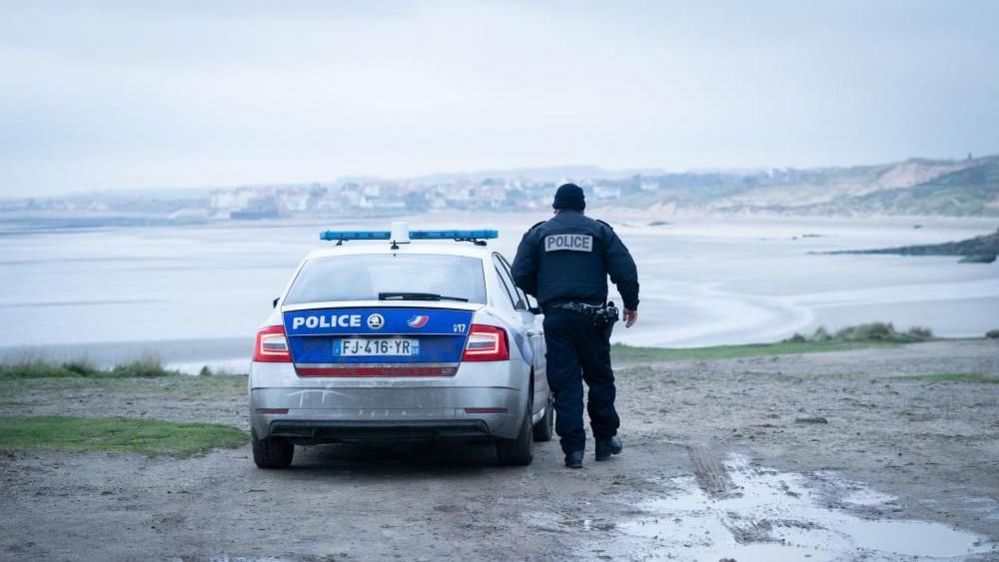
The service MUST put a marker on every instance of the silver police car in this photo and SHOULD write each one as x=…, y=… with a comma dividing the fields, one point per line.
x=400, y=335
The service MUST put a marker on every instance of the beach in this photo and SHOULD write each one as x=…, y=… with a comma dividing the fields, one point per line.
x=194, y=295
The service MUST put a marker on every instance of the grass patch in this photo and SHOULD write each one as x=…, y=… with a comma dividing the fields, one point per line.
x=30, y=375
x=118, y=435
x=33, y=368
x=184, y=388
x=628, y=353
x=974, y=377
x=853, y=337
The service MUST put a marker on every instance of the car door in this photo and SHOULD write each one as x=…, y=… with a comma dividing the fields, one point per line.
x=533, y=329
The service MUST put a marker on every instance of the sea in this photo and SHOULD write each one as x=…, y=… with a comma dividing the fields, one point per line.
x=194, y=295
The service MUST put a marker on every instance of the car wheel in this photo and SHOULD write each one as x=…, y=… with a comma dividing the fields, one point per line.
x=546, y=426
x=520, y=450
x=272, y=453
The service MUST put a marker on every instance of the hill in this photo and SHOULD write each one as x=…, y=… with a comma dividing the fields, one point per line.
x=913, y=187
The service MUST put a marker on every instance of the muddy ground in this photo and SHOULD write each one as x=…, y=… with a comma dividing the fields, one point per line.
x=831, y=456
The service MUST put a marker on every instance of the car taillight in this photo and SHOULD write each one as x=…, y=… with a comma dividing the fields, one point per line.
x=272, y=346
x=486, y=343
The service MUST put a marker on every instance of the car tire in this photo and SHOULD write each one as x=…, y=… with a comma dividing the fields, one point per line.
x=272, y=453
x=546, y=426
x=520, y=450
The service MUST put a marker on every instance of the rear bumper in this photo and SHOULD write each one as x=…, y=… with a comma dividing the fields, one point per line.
x=480, y=401
x=308, y=432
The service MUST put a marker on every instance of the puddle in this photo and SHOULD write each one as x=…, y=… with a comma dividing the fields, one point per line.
x=775, y=516
x=865, y=497
x=553, y=522
x=236, y=558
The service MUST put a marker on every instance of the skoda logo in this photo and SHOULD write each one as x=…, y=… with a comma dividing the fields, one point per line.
x=375, y=321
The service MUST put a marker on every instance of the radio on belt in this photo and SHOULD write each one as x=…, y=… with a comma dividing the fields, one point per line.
x=401, y=234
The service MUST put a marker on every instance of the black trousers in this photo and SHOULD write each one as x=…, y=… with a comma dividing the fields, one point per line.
x=579, y=351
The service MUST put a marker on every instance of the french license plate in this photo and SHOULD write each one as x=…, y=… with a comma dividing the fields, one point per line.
x=377, y=347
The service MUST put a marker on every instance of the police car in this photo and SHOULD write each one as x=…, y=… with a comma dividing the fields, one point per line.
x=400, y=335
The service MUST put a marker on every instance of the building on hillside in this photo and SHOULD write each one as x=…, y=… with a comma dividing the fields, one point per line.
x=606, y=192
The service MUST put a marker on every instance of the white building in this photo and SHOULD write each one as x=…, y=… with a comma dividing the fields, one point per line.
x=604, y=192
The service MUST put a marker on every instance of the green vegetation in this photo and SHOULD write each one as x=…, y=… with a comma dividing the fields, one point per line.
x=627, y=353
x=966, y=192
x=980, y=249
x=880, y=332
x=179, y=387
x=853, y=337
x=144, y=377
x=942, y=187
x=119, y=435
x=992, y=334
x=207, y=371
x=978, y=258
x=33, y=368
x=954, y=378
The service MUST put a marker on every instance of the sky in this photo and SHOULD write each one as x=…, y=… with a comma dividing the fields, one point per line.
x=136, y=95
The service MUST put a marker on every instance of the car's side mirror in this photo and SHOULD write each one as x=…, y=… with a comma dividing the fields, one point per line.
x=274, y=304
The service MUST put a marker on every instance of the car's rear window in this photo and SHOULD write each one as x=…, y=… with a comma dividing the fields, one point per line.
x=364, y=277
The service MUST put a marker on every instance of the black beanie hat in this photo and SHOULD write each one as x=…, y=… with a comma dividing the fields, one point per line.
x=569, y=196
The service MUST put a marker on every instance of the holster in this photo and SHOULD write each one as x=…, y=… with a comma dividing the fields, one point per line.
x=604, y=316
x=610, y=317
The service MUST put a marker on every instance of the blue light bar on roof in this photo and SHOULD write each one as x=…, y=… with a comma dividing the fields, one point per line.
x=355, y=235
x=453, y=234
x=413, y=235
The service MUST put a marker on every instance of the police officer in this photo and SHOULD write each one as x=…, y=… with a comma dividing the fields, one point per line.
x=564, y=262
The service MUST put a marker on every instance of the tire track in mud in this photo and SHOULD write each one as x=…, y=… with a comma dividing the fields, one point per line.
x=711, y=475
x=714, y=480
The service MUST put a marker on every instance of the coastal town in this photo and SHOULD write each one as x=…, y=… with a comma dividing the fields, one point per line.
x=914, y=187
x=387, y=197
x=336, y=198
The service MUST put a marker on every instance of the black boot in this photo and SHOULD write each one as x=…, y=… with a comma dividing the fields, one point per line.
x=608, y=447
x=574, y=459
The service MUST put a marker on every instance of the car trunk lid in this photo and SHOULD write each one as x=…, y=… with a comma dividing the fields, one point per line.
x=387, y=341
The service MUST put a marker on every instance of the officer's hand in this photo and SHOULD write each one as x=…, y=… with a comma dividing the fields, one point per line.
x=630, y=317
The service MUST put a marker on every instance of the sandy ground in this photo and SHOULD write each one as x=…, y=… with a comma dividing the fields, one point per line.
x=830, y=456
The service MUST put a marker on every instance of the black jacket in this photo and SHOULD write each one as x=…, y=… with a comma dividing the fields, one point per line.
x=568, y=257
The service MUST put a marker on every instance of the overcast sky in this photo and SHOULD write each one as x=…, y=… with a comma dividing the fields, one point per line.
x=177, y=94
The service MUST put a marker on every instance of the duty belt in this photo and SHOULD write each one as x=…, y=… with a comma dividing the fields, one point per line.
x=603, y=315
